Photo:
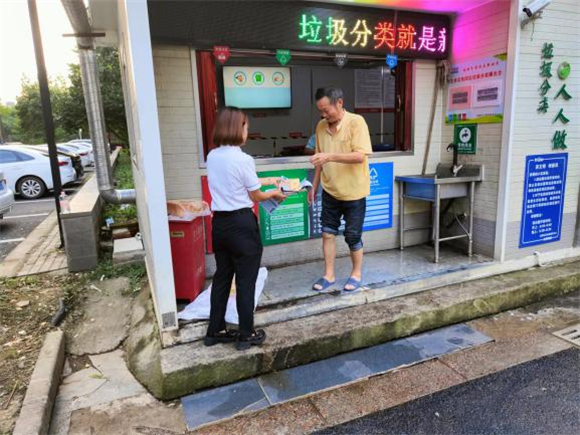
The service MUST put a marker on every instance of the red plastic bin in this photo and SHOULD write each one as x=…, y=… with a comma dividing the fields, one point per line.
x=188, y=253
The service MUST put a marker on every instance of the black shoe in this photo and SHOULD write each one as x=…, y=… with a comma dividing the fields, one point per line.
x=227, y=336
x=256, y=339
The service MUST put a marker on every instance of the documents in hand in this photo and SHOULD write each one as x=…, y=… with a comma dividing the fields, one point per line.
x=289, y=186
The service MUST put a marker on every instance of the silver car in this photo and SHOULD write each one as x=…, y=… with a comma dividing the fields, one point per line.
x=6, y=196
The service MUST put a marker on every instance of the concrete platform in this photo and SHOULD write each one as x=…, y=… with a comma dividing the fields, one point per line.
x=288, y=292
x=315, y=327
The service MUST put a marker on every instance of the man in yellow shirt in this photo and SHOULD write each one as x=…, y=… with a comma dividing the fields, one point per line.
x=343, y=145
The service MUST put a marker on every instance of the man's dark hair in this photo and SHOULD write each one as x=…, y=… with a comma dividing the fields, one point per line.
x=330, y=92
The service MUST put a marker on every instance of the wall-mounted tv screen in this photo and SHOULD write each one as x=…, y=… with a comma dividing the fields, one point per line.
x=257, y=87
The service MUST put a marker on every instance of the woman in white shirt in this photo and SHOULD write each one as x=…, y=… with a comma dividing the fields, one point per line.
x=234, y=187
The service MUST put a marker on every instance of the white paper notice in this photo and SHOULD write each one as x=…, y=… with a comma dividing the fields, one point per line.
x=368, y=89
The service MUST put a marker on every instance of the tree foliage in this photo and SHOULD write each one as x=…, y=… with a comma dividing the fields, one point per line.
x=8, y=119
x=29, y=126
x=68, y=104
x=74, y=115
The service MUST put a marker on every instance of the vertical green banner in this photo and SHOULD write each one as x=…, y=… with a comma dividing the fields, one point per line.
x=289, y=222
x=465, y=137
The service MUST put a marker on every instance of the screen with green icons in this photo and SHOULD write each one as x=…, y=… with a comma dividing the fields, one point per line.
x=289, y=222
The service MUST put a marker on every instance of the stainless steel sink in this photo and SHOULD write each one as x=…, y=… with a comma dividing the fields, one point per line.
x=443, y=184
x=423, y=187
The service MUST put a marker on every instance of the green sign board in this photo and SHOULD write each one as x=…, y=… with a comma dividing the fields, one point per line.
x=465, y=136
x=283, y=56
x=289, y=222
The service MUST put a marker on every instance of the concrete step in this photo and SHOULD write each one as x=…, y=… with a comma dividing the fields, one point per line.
x=179, y=370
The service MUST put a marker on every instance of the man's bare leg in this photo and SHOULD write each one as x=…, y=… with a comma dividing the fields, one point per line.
x=357, y=261
x=329, y=251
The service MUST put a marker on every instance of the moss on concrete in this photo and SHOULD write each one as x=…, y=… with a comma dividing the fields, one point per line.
x=143, y=346
x=310, y=339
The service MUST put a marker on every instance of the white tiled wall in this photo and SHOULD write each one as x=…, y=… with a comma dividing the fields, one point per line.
x=532, y=131
x=479, y=33
x=177, y=121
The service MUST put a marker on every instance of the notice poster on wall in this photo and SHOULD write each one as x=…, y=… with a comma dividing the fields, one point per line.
x=379, y=213
x=380, y=202
x=289, y=222
x=543, y=205
x=369, y=86
x=476, y=91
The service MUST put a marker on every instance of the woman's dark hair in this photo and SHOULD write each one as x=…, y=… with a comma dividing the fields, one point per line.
x=330, y=92
x=229, y=127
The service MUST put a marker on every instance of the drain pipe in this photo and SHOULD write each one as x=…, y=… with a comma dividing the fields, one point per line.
x=79, y=20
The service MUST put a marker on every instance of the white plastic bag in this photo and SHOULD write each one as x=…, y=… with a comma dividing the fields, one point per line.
x=199, y=308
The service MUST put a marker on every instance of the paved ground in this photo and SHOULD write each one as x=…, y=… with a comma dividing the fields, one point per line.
x=100, y=396
x=540, y=397
x=25, y=217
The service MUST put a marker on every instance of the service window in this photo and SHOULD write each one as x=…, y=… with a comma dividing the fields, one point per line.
x=281, y=106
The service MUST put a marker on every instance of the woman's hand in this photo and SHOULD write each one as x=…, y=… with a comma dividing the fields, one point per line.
x=259, y=196
x=278, y=195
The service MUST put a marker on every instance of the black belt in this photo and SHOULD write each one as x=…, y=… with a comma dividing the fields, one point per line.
x=232, y=212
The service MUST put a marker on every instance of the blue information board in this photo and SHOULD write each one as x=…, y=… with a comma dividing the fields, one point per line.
x=379, y=212
x=543, y=205
x=380, y=202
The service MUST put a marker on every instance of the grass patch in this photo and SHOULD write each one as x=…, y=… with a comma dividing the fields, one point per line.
x=22, y=330
x=107, y=270
x=124, y=178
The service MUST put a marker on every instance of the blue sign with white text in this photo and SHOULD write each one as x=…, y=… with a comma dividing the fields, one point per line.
x=379, y=213
x=392, y=60
x=543, y=205
x=380, y=202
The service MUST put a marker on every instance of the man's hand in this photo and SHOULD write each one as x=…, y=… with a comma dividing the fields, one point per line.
x=311, y=196
x=319, y=159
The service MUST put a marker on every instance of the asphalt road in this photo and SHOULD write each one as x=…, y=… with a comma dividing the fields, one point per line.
x=541, y=397
x=25, y=216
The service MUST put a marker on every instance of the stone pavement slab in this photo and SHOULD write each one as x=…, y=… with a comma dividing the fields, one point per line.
x=486, y=359
x=107, y=381
x=136, y=415
x=223, y=402
x=247, y=396
x=107, y=310
x=38, y=253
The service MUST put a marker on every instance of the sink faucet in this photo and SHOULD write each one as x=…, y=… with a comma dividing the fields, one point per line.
x=456, y=167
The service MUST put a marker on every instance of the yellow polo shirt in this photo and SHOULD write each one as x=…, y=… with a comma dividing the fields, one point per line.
x=345, y=181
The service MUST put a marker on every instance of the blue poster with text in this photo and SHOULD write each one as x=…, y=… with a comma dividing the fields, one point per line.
x=380, y=202
x=543, y=206
x=379, y=212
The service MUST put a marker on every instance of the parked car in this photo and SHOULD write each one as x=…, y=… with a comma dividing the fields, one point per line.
x=77, y=161
x=28, y=170
x=84, y=150
x=6, y=196
x=89, y=141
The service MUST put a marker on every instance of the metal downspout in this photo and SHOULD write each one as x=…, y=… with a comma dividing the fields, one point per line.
x=79, y=20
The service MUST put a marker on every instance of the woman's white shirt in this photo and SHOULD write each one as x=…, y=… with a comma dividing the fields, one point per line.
x=231, y=174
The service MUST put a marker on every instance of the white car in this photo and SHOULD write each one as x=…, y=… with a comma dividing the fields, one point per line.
x=85, y=141
x=28, y=171
x=74, y=149
x=85, y=150
x=6, y=197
